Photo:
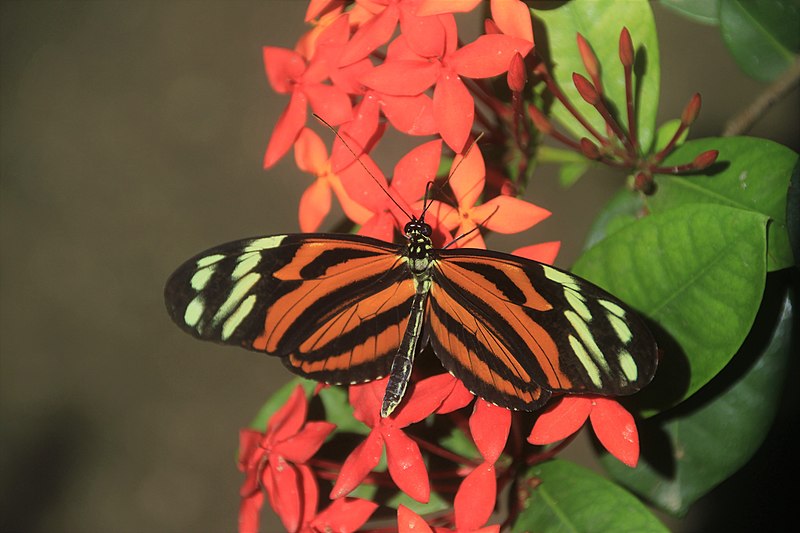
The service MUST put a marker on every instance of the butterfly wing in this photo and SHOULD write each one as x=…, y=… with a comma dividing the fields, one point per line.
x=333, y=307
x=514, y=330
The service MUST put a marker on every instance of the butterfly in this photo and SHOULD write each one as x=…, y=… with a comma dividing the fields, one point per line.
x=345, y=309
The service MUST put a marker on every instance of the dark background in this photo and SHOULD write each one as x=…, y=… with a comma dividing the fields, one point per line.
x=132, y=138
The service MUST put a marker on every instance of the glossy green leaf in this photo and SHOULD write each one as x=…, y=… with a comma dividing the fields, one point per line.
x=698, y=272
x=750, y=174
x=703, y=11
x=624, y=208
x=708, y=443
x=570, y=498
x=665, y=133
x=600, y=23
x=762, y=35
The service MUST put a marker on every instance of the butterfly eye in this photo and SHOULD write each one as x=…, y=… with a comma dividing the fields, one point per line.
x=426, y=230
x=407, y=228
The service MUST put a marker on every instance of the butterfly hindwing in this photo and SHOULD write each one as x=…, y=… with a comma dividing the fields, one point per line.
x=516, y=330
x=333, y=307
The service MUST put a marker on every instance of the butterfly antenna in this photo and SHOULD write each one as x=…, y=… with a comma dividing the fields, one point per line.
x=360, y=162
x=473, y=230
x=453, y=169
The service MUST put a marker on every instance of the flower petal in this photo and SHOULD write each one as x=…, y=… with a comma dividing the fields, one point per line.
x=315, y=203
x=310, y=494
x=489, y=425
x=544, y=252
x=422, y=399
x=366, y=399
x=304, y=445
x=402, y=77
x=506, y=214
x=250, y=513
x=371, y=35
x=410, y=522
x=285, y=492
x=410, y=114
x=468, y=177
x=283, y=66
x=344, y=515
x=513, y=18
x=475, y=498
x=453, y=109
x=487, y=56
x=288, y=420
x=288, y=127
x=458, y=397
x=616, y=430
x=358, y=464
x=440, y=7
x=406, y=465
x=425, y=35
x=329, y=102
x=310, y=153
x=564, y=419
x=415, y=169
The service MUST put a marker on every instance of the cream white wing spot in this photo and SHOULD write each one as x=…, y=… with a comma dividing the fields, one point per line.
x=245, y=263
x=236, y=318
x=237, y=294
x=209, y=260
x=264, y=243
x=586, y=361
x=193, y=312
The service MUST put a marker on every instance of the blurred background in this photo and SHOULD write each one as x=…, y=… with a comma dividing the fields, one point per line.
x=132, y=138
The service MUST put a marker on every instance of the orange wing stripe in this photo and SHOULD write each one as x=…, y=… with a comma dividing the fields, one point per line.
x=534, y=336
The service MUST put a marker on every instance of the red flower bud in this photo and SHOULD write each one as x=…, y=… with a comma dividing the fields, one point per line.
x=516, y=73
x=625, y=48
x=705, y=159
x=588, y=57
x=691, y=110
x=586, y=89
x=589, y=149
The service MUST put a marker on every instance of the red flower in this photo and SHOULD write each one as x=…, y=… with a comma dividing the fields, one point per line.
x=289, y=73
x=406, y=466
x=422, y=28
x=411, y=175
x=613, y=425
x=409, y=73
x=274, y=461
x=544, y=252
x=311, y=156
x=503, y=214
x=342, y=516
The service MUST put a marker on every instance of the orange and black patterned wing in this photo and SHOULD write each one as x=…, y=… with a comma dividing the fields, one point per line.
x=515, y=331
x=333, y=307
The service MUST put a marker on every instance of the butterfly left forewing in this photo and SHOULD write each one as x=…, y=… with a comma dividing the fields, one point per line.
x=333, y=307
x=532, y=321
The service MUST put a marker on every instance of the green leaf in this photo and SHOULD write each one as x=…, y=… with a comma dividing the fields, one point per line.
x=750, y=174
x=570, y=498
x=698, y=272
x=624, y=208
x=703, y=11
x=708, y=443
x=762, y=35
x=600, y=23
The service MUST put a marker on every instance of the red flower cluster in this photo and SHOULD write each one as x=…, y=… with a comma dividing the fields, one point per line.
x=358, y=73
x=425, y=83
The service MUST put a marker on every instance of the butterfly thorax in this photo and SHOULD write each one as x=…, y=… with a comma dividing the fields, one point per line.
x=419, y=249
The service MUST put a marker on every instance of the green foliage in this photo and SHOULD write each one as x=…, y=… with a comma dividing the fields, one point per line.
x=601, y=23
x=569, y=498
x=707, y=441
